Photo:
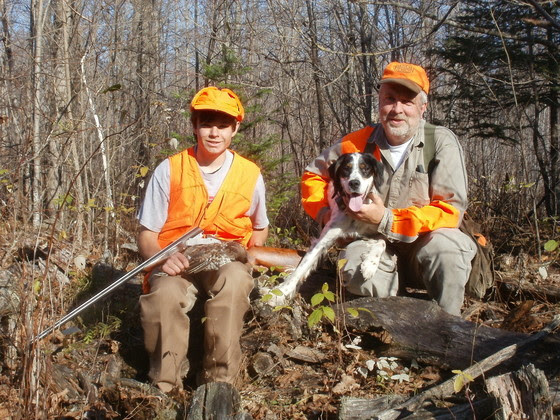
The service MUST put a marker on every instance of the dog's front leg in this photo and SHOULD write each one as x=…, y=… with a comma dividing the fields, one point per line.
x=330, y=233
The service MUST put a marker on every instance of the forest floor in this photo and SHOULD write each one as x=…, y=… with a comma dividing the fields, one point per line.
x=291, y=370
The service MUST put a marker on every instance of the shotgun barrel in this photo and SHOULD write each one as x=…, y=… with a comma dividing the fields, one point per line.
x=177, y=246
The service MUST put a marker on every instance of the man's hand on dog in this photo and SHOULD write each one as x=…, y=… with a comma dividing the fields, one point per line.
x=371, y=213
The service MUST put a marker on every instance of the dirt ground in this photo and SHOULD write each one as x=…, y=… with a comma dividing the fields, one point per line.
x=290, y=370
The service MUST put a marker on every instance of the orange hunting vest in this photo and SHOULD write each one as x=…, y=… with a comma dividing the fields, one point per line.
x=225, y=217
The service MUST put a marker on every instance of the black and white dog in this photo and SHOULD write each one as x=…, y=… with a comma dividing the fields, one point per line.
x=353, y=177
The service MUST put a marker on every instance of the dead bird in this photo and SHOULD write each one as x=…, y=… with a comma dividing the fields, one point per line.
x=211, y=256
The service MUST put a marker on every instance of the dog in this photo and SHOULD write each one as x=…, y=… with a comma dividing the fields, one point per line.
x=353, y=177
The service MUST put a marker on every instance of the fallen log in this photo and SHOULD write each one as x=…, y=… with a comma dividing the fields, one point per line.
x=421, y=330
x=447, y=388
x=508, y=290
x=361, y=409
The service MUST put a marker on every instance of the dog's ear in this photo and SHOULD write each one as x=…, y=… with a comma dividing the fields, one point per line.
x=376, y=167
x=333, y=169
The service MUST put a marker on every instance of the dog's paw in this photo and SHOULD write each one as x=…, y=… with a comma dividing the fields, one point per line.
x=277, y=296
x=274, y=298
x=371, y=257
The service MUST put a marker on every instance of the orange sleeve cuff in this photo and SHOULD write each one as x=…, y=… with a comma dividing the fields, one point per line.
x=414, y=220
x=313, y=193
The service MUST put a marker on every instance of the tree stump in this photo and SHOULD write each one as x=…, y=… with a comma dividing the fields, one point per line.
x=216, y=401
x=523, y=394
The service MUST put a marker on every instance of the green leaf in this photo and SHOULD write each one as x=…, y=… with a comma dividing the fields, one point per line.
x=144, y=171
x=266, y=297
x=277, y=292
x=458, y=383
x=329, y=296
x=329, y=313
x=112, y=88
x=315, y=317
x=365, y=310
x=551, y=245
x=353, y=312
x=280, y=307
x=317, y=299
x=325, y=288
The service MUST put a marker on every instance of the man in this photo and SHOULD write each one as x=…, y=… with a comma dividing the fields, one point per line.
x=214, y=188
x=420, y=205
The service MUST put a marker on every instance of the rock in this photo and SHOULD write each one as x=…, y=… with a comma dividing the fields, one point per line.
x=306, y=354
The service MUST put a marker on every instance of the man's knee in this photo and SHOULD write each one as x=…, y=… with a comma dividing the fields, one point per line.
x=448, y=246
x=359, y=279
x=444, y=261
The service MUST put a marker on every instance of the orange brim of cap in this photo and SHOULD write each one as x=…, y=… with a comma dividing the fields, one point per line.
x=221, y=100
x=403, y=82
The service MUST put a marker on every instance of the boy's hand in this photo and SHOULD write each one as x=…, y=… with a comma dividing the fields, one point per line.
x=175, y=264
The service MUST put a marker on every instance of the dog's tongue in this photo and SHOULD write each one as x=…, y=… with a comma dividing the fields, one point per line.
x=355, y=203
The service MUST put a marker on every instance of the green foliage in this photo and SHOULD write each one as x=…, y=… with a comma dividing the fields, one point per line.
x=484, y=66
x=355, y=312
x=112, y=88
x=321, y=311
x=551, y=246
x=102, y=330
x=229, y=64
x=272, y=281
x=64, y=200
x=284, y=237
x=462, y=379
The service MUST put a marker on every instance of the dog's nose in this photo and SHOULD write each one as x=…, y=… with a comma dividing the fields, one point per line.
x=354, y=184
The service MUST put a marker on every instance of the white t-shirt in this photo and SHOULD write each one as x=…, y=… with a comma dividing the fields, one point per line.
x=398, y=153
x=153, y=212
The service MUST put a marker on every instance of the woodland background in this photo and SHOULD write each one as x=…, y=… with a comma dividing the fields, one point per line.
x=94, y=94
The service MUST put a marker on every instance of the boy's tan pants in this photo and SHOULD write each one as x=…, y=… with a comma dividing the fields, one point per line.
x=164, y=317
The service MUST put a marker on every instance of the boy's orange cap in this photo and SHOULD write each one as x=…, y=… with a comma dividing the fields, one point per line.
x=223, y=100
x=409, y=75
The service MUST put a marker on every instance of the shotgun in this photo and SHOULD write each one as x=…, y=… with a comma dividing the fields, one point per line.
x=178, y=246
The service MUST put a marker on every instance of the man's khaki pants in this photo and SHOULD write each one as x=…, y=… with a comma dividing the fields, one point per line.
x=164, y=316
x=439, y=261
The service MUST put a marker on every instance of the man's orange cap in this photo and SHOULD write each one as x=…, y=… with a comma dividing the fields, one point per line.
x=409, y=75
x=223, y=100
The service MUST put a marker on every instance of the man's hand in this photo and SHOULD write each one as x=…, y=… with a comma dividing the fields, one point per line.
x=371, y=213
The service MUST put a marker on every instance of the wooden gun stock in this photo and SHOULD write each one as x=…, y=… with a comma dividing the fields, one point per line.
x=280, y=258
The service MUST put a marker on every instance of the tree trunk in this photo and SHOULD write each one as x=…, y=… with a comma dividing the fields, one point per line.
x=316, y=66
x=37, y=22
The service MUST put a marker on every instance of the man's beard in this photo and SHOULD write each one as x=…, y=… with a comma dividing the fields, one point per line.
x=404, y=132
